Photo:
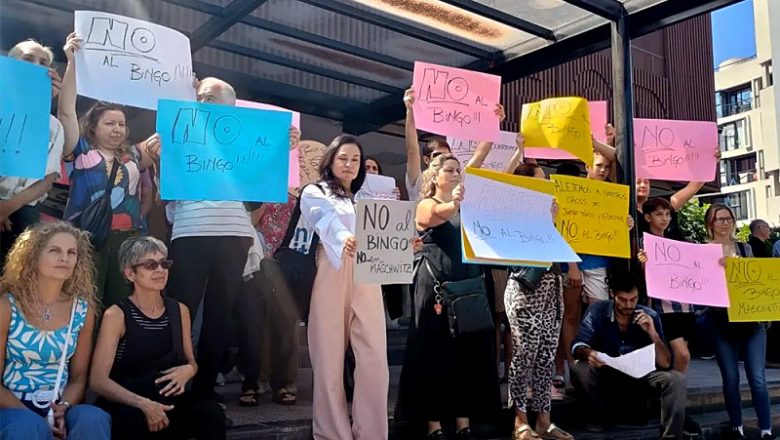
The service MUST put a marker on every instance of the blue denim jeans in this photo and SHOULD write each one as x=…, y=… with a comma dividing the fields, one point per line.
x=83, y=422
x=752, y=346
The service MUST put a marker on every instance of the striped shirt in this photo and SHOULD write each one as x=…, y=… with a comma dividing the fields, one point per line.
x=160, y=323
x=210, y=219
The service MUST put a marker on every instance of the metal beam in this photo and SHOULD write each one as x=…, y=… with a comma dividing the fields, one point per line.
x=272, y=92
x=401, y=27
x=216, y=25
x=610, y=9
x=664, y=15
x=623, y=103
x=503, y=18
x=298, y=34
x=299, y=65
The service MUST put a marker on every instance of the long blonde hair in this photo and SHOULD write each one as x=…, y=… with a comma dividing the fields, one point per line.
x=20, y=274
x=428, y=187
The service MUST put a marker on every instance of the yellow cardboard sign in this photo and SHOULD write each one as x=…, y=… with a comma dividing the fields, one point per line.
x=754, y=289
x=592, y=215
x=540, y=185
x=562, y=123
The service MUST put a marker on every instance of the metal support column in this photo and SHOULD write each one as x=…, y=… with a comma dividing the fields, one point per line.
x=623, y=103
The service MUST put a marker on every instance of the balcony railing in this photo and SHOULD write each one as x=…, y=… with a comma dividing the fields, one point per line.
x=733, y=108
x=739, y=178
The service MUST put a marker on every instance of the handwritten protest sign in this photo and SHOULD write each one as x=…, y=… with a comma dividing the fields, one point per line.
x=131, y=61
x=456, y=102
x=377, y=187
x=385, y=229
x=500, y=154
x=592, y=215
x=754, y=289
x=560, y=123
x=311, y=153
x=597, y=112
x=685, y=272
x=495, y=231
x=221, y=152
x=675, y=150
x=24, y=119
x=295, y=162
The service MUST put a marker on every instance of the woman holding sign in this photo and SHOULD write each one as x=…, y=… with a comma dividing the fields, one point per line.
x=99, y=150
x=342, y=312
x=735, y=338
x=444, y=377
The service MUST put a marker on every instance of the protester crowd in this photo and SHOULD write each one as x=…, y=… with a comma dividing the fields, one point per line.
x=146, y=325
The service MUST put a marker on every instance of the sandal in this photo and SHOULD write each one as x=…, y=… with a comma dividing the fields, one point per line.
x=559, y=381
x=555, y=433
x=248, y=398
x=524, y=432
x=285, y=398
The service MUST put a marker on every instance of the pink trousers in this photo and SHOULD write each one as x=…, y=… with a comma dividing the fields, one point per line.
x=343, y=313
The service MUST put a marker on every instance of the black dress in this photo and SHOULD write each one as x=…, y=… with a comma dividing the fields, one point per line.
x=444, y=377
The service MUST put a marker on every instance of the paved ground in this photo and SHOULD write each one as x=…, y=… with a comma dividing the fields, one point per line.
x=703, y=381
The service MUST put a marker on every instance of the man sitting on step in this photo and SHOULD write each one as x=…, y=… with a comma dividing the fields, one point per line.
x=618, y=327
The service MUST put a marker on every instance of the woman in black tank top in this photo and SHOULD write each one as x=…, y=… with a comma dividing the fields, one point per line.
x=143, y=358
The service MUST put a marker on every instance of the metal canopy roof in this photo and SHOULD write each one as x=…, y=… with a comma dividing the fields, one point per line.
x=350, y=60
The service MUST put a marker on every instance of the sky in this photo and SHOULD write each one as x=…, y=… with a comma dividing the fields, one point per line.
x=733, y=32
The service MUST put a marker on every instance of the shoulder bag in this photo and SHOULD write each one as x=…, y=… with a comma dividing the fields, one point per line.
x=96, y=217
x=468, y=310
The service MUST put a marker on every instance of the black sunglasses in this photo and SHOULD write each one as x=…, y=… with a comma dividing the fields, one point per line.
x=153, y=265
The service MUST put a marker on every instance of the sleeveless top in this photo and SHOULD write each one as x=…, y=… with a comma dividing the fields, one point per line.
x=32, y=355
x=146, y=341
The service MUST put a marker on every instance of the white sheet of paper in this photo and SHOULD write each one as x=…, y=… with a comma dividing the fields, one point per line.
x=506, y=222
x=133, y=62
x=377, y=187
x=637, y=364
x=385, y=229
x=500, y=154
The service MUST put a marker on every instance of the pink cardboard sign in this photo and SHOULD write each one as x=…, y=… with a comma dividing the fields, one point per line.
x=294, y=179
x=597, y=112
x=682, y=151
x=685, y=272
x=456, y=102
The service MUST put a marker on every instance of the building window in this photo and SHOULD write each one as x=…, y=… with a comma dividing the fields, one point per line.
x=739, y=203
x=732, y=135
x=734, y=101
x=737, y=171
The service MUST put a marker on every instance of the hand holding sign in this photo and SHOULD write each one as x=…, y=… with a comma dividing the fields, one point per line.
x=684, y=272
x=675, y=150
x=456, y=102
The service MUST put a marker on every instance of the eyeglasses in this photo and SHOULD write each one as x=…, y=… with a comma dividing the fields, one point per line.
x=153, y=265
x=724, y=221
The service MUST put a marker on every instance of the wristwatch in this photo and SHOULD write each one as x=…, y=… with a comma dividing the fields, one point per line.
x=64, y=403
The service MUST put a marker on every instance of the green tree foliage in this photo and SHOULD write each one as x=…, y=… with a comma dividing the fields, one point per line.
x=691, y=221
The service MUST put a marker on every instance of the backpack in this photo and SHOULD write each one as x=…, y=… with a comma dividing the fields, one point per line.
x=290, y=272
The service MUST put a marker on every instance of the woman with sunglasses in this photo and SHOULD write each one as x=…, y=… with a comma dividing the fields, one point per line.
x=143, y=358
x=735, y=338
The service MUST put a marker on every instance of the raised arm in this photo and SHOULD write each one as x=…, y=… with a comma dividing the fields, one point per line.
x=413, y=159
x=483, y=149
x=66, y=108
x=517, y=157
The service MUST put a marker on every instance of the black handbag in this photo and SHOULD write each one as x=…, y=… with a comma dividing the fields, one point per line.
x=96, y=217
x=468, y=309
x=528, y=277
x=291, y=272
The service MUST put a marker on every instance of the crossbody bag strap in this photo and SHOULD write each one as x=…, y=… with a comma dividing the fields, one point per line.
x=65, y=346
x=110, y=181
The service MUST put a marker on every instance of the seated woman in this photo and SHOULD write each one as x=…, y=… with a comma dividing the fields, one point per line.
x=143, y=358
x=48, y=295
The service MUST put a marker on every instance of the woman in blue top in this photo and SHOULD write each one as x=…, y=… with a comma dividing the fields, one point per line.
x=93, y=146
x=48, y=293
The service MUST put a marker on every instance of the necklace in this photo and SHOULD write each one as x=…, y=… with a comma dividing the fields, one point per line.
x=46, y=315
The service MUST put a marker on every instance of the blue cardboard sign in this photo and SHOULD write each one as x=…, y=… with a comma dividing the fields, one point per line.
x=220, y=152
x=24, y=119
